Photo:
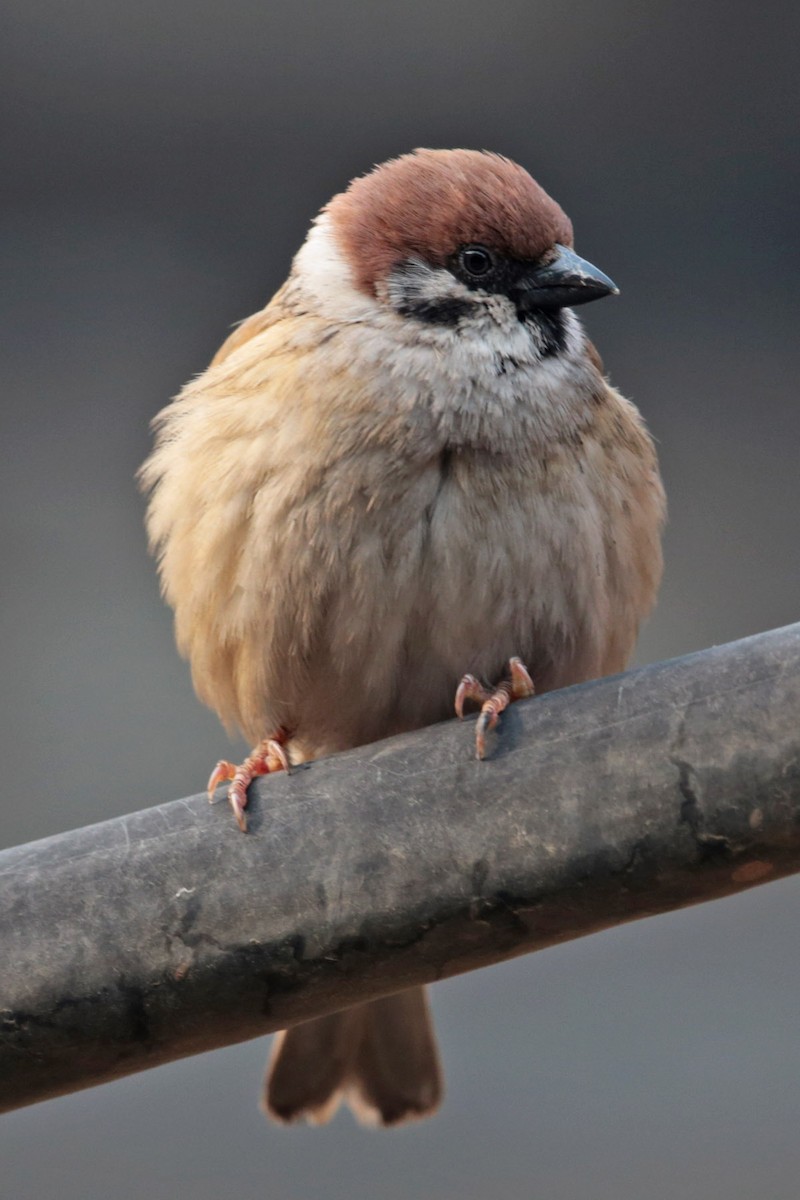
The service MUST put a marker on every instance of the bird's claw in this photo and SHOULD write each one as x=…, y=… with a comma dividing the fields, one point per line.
x=222, y=773
x=268, y=756
x=493, y=703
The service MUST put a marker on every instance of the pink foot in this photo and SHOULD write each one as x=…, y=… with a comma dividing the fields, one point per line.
x=268, y=756
x=493, y=703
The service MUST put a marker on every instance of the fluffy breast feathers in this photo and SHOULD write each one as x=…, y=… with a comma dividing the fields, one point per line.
x=349, y=513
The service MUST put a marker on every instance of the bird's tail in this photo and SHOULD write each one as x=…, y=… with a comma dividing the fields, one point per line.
x=380, y=1058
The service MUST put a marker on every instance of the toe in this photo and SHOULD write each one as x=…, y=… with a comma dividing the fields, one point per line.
x=521, y=682
x=223, y=772
x=469, y=689
x=237, y=798
x=276, y=758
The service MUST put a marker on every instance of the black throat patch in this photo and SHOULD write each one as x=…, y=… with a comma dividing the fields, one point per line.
x=548, y=329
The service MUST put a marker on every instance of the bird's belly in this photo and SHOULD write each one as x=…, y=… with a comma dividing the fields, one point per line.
x=454, y=577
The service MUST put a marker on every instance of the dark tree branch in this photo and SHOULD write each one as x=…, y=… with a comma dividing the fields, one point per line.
x=168, y=932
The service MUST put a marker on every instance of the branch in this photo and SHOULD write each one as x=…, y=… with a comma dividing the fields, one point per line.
x=167, y=932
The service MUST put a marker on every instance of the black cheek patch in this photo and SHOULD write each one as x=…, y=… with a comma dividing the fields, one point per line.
x=447, y=311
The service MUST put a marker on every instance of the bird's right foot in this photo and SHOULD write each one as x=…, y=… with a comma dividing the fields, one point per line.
x=493, y=702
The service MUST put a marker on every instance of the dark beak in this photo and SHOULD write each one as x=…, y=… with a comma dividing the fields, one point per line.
x=562, y=283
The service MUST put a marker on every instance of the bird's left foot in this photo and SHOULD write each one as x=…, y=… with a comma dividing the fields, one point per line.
x=493, y=703
x=268, y=756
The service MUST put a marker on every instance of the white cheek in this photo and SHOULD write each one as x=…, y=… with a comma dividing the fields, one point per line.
x=326, y=278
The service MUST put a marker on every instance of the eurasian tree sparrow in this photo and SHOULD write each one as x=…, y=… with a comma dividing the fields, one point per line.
x=408, y=465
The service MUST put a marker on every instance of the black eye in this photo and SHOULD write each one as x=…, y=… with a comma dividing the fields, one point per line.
x=475, y=261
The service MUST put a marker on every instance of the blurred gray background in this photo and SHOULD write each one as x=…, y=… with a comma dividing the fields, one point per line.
x=161, y=162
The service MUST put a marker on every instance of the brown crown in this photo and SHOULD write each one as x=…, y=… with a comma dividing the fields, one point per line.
x=428, y=203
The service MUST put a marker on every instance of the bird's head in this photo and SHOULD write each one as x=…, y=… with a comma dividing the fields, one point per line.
x=446, y=236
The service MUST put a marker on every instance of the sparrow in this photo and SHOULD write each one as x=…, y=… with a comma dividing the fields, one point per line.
x=406, y=478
